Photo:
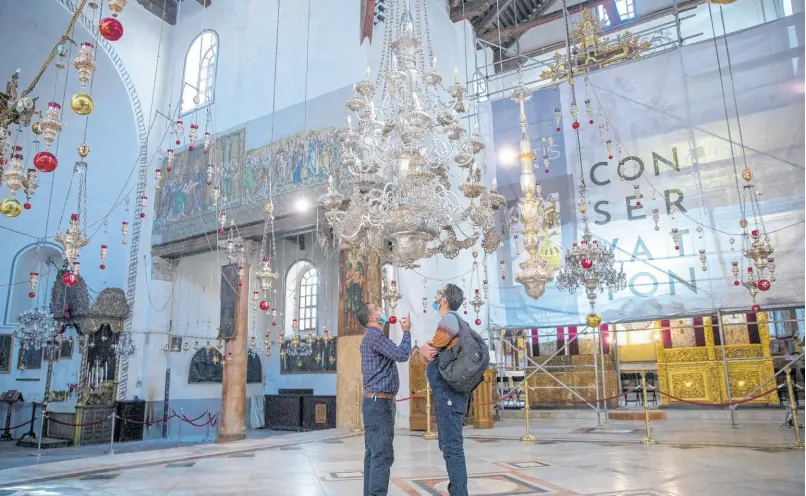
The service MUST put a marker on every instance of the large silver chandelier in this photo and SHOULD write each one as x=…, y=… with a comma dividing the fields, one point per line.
x=535, y=272
x=590, y=265
x=397, y=160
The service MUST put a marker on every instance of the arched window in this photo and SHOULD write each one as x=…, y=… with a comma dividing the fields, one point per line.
x=198, y=81
x=30, y=260
x=302, y=297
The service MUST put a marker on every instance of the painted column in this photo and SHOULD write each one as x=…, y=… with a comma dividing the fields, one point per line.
x=233, y=384
x=348, y=364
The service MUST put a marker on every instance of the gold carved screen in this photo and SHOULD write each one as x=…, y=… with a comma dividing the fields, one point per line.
x=697, y=373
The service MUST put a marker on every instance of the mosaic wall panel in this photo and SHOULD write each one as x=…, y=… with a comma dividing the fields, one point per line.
x=184, y=204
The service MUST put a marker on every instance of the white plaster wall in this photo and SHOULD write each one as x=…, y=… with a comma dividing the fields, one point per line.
x=33, y=28
x=196, y=299
x=247, y=33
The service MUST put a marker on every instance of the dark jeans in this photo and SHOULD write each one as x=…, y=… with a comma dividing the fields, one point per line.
x=379, y=432
x=450, y=408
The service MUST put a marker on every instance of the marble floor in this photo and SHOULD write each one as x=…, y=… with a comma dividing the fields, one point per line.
x=569, y=458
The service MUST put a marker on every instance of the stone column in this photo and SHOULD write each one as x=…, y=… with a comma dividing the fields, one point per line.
x=348, y=355
x=233, y=384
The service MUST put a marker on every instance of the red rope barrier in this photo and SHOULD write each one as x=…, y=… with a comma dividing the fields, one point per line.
x=197, y=418
x=213, y=420
x=18, y=426
x=729, y=403
x=149, y=422
x=398, y=400
x=196, y=425
x=502, y=398
x=596, y=399
x=79, y=425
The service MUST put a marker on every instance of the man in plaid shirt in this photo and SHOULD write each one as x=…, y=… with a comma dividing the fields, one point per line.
x=381, y=384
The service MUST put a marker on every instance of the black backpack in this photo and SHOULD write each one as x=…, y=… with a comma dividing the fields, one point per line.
x=463, y=365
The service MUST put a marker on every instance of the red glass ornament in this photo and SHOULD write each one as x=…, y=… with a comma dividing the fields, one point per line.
x=423, y=310
x=755, y=308
x=465, y=312
x=31, y=295
x=393, y=320
x=575, y=125
x=142, y=215
x=736, y=283
x=264, y=305
x=676, y=247
x=103, y=266
x=45, y=162
x=637, y=204
x=111, y=29
x=503, y=278
x=586, y=263
x=27, y=206
x=547, y=171
x=240, y=283
x=178, y=142
x=590, y=121
x=763, y=285
x=170, y=169
x=274, y=323
x=610, y=157
x=69, y=279
x=221, y=232
x=558, y=130
x=478, y=321
x=191, y=148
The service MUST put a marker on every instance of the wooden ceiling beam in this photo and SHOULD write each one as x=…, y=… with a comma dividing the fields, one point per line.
x=470, y=9
x=490, y=17
x=494, y=13
x=515, y=31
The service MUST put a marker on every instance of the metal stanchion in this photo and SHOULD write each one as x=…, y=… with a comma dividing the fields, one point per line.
x=793, y=407
x=217, y=422
x=526, y=408
x=112, y=437
x=207, y=428
x=648, y=438
x=357, y=429
x=429, y=435
x=179, y=421
x=41, y=426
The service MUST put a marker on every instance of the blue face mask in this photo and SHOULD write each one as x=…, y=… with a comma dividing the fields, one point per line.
x=435, y=305
x=383, y=319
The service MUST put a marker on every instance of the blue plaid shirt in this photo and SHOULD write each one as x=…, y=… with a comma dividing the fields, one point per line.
x=378, y=357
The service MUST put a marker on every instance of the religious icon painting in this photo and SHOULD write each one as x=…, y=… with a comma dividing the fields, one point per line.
x=176, y=343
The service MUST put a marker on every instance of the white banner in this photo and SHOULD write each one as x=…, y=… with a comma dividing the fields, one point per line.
x=669, y=114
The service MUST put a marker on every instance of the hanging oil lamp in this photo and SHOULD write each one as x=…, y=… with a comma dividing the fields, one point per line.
x=85, y=63
x=192, y=136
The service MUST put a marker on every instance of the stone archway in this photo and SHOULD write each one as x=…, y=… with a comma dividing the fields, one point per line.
x=142, y=177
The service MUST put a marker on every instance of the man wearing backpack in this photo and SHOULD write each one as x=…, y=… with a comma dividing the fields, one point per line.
x=381, y=384
x=457, y=358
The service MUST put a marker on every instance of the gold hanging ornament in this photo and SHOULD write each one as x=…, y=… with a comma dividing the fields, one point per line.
x=82, y=104
x=83, y=150
x=10, y=207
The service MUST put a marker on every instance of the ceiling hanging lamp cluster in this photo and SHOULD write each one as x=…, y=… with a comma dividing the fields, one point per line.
x=402, y=143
